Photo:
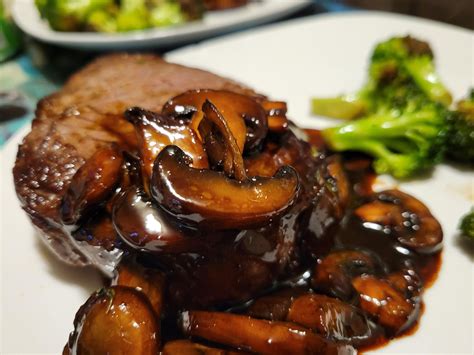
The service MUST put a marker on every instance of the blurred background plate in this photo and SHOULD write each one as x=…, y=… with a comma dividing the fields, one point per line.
x=28, y=19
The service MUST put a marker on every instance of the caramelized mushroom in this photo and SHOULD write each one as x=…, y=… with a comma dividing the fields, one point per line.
x=276, y=114
x=91, y=184
x=408, y=282
x=186, y=347
x=221, y=146
x=333, y=319
x=116, y=320
x=260, y=336
x=150, y=282
x=154, y=132
x=146, y=227
x=334, y=273
x=385, y=303
x=210, y=199
x=275, y=306
x=407, y=218
x=236, y=108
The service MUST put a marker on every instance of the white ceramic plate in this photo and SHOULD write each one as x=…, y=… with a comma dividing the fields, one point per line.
x=321, y=55
x=27, y=17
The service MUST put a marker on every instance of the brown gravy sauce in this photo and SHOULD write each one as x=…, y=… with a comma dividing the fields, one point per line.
x=353, y=235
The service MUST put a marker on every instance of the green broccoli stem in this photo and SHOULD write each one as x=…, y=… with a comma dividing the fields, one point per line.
x=422, y=70
x=346, y=107
x=401, y=146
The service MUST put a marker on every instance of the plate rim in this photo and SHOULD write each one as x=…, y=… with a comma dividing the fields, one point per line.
x=156, y=36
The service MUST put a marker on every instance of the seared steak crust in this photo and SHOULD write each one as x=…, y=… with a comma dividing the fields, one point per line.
x=72, y=124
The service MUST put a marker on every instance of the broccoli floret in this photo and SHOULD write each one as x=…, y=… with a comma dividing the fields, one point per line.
x=167, y=14
x=69, y=15
x=101, y=21
x=401, y=74
x=403, y=116
x=467, y=225
x=460, y=137
x=401, y=144
x=117, y=15
x=412, y=59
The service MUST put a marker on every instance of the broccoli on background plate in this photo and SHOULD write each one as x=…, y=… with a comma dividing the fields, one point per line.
x=117, y=15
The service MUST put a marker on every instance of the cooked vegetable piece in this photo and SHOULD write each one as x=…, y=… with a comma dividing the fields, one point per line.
x=460, y=135
x=115, y=320
x=334, y=319
x=91, y=184
x=146, y=227
x=186, y=347
x=210, y=199
x=150, y=282
x=333, y=274
x=260, y=336
x=385, y=303
x=407, y=218
x=405, y=123
x=467, y=225
x=155, y=132
x=235, y=108
x=402, y=145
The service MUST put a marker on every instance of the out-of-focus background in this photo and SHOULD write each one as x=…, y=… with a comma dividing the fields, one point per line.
x=456, y=12
x=31, y=69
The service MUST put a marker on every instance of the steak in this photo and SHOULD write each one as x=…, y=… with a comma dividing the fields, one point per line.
x=84, y=116
x=87, y=116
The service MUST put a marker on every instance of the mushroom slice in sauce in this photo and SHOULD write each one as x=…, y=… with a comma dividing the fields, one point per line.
x=408, y=219
x=115, y=320
x=154, y=132
x=220, y=143
x=210, y=199
x=146, y=227
x=91, y=184
x=150, y=282
x=333, y=319
x=333, y=274
x=385, y=303
x=238, y=109
x=187, y=347
x=256, y=335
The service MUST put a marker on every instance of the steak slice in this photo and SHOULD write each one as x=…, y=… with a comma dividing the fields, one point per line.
x=84, y=116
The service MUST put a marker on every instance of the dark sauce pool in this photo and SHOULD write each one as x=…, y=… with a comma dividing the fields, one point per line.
x=354, y=234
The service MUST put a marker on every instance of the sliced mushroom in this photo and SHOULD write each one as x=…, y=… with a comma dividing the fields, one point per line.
x=333, y=274
x=210, y=199
x=116, y=320
x=150, y=282
x=408, y=282
x=186, y=347
x=385, y=303
x=333, y=319
x=236, y=108
x=221, y=146
x=146, y=227
x=408, y=219
x=275, y=306
x=91, y=184
x=154, y=132
x=256, y=335
x=276, y=114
